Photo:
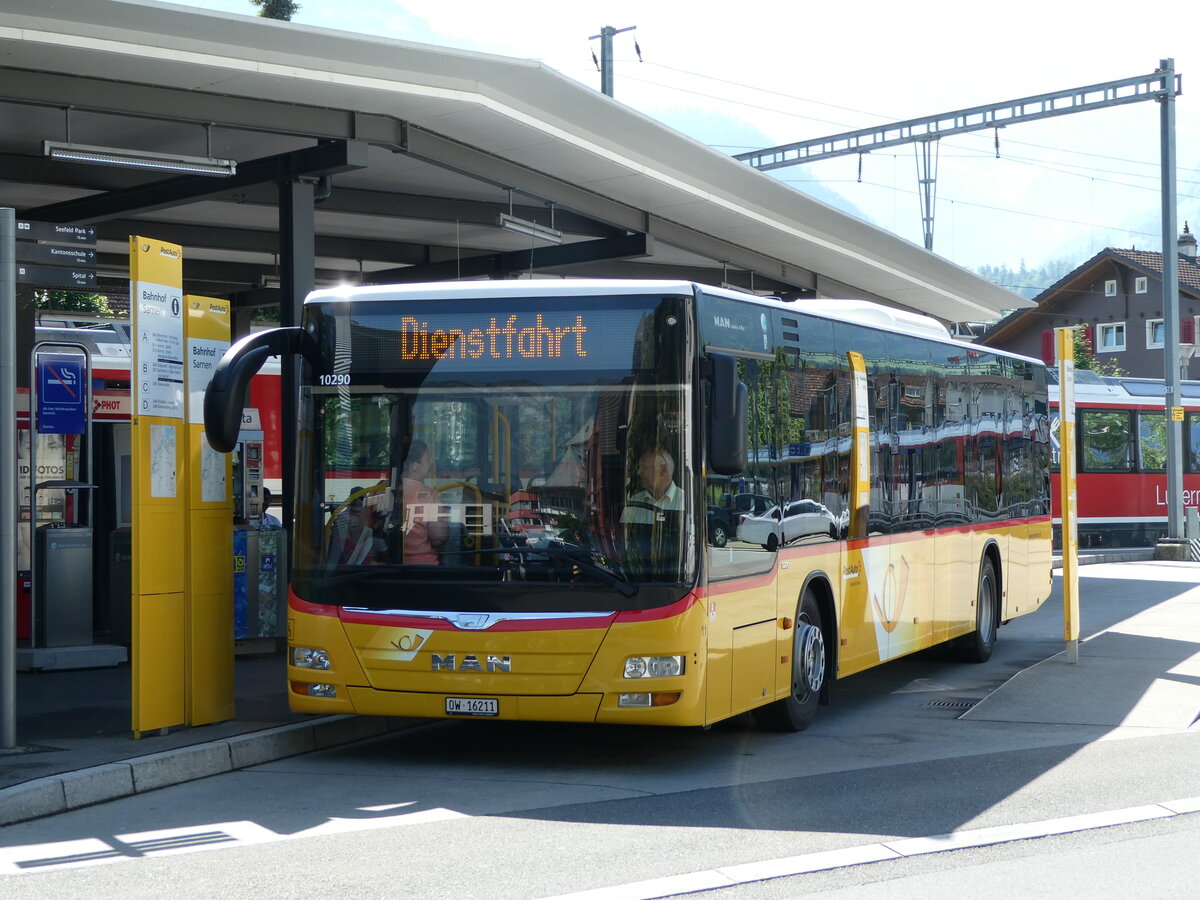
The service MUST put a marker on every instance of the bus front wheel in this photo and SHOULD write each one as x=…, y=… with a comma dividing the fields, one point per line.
x=795, y=712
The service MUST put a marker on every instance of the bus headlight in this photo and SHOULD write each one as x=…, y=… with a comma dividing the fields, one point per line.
x=653, y=666
x=309, y=658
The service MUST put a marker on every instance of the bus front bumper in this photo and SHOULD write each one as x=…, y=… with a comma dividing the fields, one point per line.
x=582, y=707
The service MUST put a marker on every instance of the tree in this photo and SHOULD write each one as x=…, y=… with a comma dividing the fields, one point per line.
x=1026, y=281
x=277, y=9
x=1085, y=356
x=72, y=301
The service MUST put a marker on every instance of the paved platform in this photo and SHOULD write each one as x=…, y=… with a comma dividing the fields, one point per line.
x=77, y=748
x=76, y=744
x=1142, y=672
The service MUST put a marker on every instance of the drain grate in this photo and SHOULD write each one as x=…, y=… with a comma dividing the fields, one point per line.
x=952, y=703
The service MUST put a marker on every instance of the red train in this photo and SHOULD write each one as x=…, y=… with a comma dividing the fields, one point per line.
x=1121, y=455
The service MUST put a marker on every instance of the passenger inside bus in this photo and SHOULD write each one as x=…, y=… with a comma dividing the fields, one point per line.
x=424, y=534
x=351, y=539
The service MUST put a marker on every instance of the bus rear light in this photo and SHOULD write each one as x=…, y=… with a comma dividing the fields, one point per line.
x=309, y=658
x=653, y=666
x=306, y=689
x=661, y=698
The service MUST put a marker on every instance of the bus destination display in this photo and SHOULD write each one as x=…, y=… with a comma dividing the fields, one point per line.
x=470, y=339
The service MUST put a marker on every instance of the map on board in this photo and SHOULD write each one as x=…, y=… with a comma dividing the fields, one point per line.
x=162, y=461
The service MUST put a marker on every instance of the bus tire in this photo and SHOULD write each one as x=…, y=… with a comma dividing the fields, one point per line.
x=977, y=646
x=810, y=663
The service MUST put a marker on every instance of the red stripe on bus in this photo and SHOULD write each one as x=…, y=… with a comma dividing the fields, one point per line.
x=313, y=609
x=432, y=622
x=669, y=611
x=545, y=624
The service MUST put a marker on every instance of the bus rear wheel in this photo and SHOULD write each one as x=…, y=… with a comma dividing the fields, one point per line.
x=796, y=711
x=977, y=646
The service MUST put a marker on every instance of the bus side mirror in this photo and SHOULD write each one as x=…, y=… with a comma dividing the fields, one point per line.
x=226, y=392
x=726, y=418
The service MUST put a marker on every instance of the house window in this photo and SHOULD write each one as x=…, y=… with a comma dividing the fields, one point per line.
x=1155, y=334
x=1139, y=285
x=1112, y=337
x=1110, y=288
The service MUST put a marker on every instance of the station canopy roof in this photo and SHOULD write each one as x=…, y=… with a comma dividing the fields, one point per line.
x=424, y=149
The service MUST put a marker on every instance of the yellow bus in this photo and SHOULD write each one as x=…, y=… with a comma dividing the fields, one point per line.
x=505, y=498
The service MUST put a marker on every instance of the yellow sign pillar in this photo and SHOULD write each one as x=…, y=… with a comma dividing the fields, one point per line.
x=156, y=441
x=209, y=571
x=1065, y=347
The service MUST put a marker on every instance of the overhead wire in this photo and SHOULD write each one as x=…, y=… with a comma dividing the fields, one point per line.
x=853, y=127
x=1092, y=173
x=988, y=206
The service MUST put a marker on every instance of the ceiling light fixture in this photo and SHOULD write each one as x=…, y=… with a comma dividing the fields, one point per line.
x=531, y=229
x=139, y=159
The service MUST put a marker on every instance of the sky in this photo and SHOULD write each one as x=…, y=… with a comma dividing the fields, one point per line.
x=744, y=78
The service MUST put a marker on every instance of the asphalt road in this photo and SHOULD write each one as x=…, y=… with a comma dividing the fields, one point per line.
x=487, y=809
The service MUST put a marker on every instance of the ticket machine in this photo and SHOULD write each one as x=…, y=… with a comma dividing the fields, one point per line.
x=260, y=554
x=248, y=471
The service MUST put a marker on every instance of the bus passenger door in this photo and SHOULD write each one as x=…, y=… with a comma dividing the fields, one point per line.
x=866, y=567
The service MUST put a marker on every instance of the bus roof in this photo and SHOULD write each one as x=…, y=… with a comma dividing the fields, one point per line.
x=861, y=312
x=574, y=287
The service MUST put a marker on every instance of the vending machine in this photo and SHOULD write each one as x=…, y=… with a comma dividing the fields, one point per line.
x=259, y=552
x=248, y=473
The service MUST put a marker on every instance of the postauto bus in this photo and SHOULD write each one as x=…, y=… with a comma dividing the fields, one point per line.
x=502, y=491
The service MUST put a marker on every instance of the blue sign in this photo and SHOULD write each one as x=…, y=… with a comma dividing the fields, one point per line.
x=240, y=598
x=61, y=393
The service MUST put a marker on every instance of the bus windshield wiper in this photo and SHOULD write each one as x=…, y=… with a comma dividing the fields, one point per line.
x=353, y=574
x=585, y=559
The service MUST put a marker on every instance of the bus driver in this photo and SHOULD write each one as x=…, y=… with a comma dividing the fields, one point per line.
x=656, y=473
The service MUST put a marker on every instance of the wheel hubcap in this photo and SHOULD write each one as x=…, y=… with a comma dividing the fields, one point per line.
x=810, y=659
x=987, y=611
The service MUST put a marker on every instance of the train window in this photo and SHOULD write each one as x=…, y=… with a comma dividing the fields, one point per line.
x=1192, y=436
x=1152, y=441
x=1104, y=438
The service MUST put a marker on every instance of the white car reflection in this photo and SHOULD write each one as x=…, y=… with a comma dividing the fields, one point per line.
x=792, y=521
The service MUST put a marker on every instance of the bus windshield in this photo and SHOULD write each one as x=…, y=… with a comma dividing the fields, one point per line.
x=495, y=454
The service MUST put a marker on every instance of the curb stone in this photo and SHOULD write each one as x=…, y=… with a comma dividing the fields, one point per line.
x=111, y=781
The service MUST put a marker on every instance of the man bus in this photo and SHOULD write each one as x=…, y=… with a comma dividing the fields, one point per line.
x=539, y=401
